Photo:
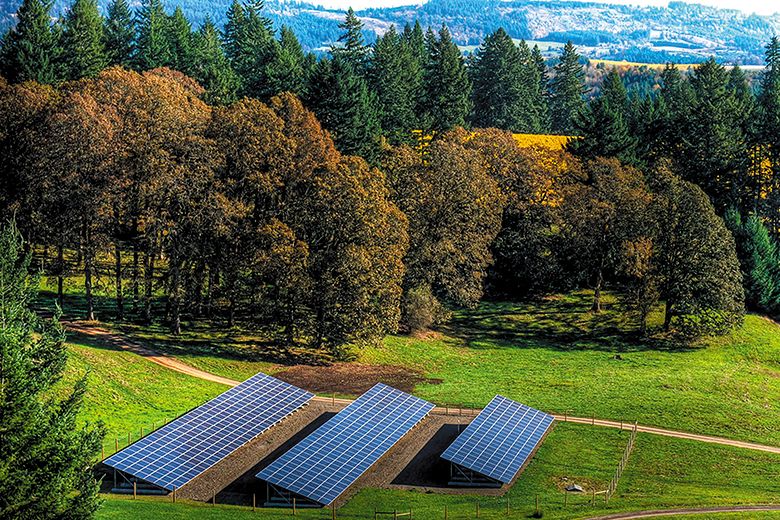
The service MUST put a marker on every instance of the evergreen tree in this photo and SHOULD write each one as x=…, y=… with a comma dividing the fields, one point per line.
x=768, y=131
x=414, y=37
x=180, y=41
x=567, y=88
x=83, y=47
x=447, y=87
x=211, y=67
x=46, y=456
x=153, y=46
x=500, y=96
x=714, y=150
x=541, y=100
x=603, y=127
x=288, y=72
x=759, y=260
x=119, y=34
x=30, y=51
x=352, y=46
x=342, y=102
x=251, y=48
x=396, y=78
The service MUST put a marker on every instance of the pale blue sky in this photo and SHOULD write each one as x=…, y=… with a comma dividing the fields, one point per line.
x=750, y=6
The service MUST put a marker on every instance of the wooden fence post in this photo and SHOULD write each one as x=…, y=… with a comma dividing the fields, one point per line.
x=565, y=499
x=445, y=512
x=254, y=502
x=333, y=512
x=477, y=508
x=134, y=490
x=295, y=510
x=214, y=499
x=128, y=438
x=507, y=506
x=593, y=501
x=102, y=453
x=116, y=445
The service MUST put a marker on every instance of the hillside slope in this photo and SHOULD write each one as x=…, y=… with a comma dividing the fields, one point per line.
x=681, y=32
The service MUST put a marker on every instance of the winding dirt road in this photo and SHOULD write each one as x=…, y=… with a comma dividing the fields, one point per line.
x=691, y=511
x=121, y=342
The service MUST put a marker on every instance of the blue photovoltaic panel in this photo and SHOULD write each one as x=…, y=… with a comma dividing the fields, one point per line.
x=500, y=439
x=324, y=464
x=186, y=447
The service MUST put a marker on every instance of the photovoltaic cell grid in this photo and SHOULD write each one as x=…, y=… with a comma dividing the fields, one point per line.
x=186, y=447
x=500, y=439
x=324, y=464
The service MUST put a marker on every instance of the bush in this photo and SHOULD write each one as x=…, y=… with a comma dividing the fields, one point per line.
x=421, y=309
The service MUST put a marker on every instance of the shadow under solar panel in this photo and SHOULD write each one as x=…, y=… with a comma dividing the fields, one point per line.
x=324, y=464
x=500, y=440
x=176, y=453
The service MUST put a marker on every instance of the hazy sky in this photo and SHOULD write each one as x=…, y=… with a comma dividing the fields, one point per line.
x=750, y=6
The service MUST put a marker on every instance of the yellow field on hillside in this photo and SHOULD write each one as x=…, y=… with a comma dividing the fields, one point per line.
x=553, y=142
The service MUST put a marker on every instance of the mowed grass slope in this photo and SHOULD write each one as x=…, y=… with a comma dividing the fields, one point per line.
x=556, y=356
x=662, y=473
x=126, y=392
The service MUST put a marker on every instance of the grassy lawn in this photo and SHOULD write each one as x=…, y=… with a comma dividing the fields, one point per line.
x=661, y=473
x=556, y=357
x=553, y=355
x=127, y=392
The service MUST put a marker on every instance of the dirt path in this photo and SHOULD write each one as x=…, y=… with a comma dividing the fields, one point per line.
x=121, y=342
x=691, y=511
x=124, y=343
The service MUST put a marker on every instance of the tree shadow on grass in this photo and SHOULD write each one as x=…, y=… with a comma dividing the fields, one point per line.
x=560, y=323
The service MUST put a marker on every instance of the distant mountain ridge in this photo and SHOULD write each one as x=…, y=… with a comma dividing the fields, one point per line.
x=680, y=32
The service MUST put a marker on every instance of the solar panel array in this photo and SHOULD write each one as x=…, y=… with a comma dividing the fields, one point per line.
x=324, y=464
x=186, y=447
x=500, y=440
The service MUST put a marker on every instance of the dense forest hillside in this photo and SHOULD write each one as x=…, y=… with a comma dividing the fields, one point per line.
x=681, y=32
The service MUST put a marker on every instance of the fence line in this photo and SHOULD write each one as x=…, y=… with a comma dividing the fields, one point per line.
x=622, y=465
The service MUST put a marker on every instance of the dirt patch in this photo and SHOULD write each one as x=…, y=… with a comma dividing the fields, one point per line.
x=352, y=378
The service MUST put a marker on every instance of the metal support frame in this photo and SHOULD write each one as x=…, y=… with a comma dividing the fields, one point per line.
x=464, y=477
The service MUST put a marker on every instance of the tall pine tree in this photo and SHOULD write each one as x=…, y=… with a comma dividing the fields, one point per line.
x=251, y=48
x=396, y=77
x=602, y=125
x=352, y=46
x=567, y=88
x=119, y=34
x=180, y=40
x=83, y=46
x=500, y=96
x=447, y=86
x=30, y=50
x=541, y=97
x=46, y=454
x=153, y=45
x=768, y=132
x=211, y=67
x=345, y=106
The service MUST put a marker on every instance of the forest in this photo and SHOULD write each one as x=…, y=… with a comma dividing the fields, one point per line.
x=226, y=175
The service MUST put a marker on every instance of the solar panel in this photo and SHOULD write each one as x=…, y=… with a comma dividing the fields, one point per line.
x=324, y=464
x=500, y=440
x=186, y=447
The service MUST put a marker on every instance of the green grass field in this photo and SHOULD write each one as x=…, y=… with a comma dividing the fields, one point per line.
x=127, y=392
x=557, y=356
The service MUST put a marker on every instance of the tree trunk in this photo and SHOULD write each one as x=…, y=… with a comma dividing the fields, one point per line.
x=231, y=312
x=668, y=316
x=210, y=290
x=597, y=292
x=136, y=270
x=60, y=274
x=120, y=302
x=148, y=285
x=87, y=258
x=175, y=296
